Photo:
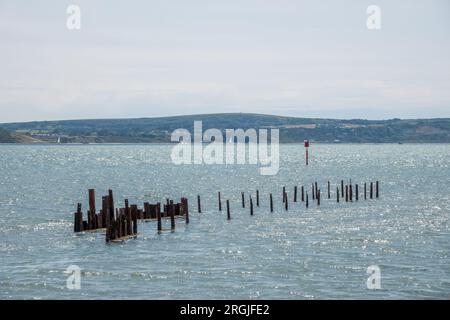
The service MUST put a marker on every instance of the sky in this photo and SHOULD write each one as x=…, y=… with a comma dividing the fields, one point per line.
x=172, y=57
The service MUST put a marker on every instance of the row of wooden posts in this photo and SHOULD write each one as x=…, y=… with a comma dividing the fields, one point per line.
x=121, y=223
x=347, y=192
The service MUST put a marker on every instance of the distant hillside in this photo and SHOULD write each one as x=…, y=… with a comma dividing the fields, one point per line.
x=5, y=137
x=291, y=129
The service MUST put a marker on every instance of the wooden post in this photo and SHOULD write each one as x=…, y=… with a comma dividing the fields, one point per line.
x=346, y=193
x=199, y=205
x=295, y=194
x=342, y=188
x=365, y=190
x=119, y=223
x=147, y=211
x=104, y=210
x=351, y=192
x=303, y=194
x=356, y=192
x=112, y=218
x=184, y=203
x=286, y=202
x=371, y=190
x=129, y=218
x=318, y=197
x=257, y=198
x=111, y=203
x=307, y=200
x=78, y=223
x=271, y=203
x=172, y=215
x=337, y=194
x=228, y=210
x=243, y=200
x=376, y=189
x=313, y=192
x=166, y=211
x=316, y=188
x=158, y=217
x=220, y=202
x=107, y=219
x=134, y=215
x=284, y=194
x=92, y=221
x=329, y=194
x=251, y=206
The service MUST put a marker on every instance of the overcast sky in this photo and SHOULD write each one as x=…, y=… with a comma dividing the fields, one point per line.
x=287, y=57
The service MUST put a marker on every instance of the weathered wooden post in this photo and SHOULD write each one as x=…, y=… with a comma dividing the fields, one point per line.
x=104, y=210
x=243, y=199
x=111, y=203
x=158, y=216
x=112, y=218
x=271, y=203
x=295, y=194
x=147, y=211
x=220, y=202
x=346, y=193
x=134, y=215
x=172, y=215
x=284, y=194
x=376, y=189
x=337, y=194
x=199, y=205
x=184, y=203
x=342, y=188
x=107, y=216
x=307, y=200
x=228, y=210
x=166, y=211
x=92, y=221
x=128, y=218
x=286, y=202
x=78, y=223
x=316, y=188
x=365, y=190
x=351, y=192
x=329, y=194
x=313, y=193
x=318, y=197
x=251, y=205
x=303, y=194
x=257, y=198
x=356, y=192
x=371, y=190
x=119, y=223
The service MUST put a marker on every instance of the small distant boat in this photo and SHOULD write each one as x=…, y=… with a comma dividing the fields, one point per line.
x=59, y=139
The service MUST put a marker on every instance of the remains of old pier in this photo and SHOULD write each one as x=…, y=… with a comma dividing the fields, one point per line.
x=121, y=223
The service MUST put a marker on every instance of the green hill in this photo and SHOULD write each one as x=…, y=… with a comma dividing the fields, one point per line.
x=291, y=129
x=5, y=137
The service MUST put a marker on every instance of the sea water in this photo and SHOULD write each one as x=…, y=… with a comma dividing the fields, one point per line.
x=303, y=253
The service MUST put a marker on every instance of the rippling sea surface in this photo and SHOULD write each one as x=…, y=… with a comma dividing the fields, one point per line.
x=315, y=253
